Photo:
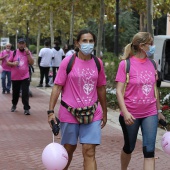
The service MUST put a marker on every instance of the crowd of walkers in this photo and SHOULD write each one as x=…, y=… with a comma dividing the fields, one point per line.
x=79, y=76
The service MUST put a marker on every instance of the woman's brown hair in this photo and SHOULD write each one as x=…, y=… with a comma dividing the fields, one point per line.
x=133, y=47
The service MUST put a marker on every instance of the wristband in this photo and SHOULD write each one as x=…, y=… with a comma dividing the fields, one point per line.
x=159, y=111
x=50, y=111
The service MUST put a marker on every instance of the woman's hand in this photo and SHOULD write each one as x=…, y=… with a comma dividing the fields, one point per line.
x=161, y=116
x=104, y=120
x=50, y=118
x=129, y=119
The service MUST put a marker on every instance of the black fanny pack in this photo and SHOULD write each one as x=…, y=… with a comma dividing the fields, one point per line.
x=83, y=115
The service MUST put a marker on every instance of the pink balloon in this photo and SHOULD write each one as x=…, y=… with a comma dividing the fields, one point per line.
x=165, y=142
x=54, y=157
x=1, y=69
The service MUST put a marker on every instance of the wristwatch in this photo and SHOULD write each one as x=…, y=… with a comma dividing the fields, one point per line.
x=159, y=111
x=50, y=111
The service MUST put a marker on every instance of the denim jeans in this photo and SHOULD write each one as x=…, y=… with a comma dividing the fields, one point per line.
x=6, y=81
x=148, y=128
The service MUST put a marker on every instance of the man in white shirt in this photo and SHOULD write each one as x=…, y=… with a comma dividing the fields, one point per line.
x=44, y=62
x=58, y=55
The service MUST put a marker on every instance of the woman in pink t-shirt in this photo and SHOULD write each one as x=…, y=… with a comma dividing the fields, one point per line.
x=6, y=74
x=81, y=88
x=138, y=103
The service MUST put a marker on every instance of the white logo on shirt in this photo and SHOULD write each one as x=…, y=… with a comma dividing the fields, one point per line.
x=145, y=79
x=88, y=85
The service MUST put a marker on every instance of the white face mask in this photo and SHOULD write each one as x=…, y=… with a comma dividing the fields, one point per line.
x=86, y=48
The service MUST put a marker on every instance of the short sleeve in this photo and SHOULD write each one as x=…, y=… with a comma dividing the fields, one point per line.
x=53, y=55
x=40, y=53
x=10, y=59
x=102, y=76
x=121, y=75
x=1, y=54
x=63, y=52
x=61, y=73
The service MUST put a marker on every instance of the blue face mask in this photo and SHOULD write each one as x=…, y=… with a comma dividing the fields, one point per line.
x=151, y=50
x=86, y=48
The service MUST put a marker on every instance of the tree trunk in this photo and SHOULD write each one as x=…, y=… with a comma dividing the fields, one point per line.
x=71, y=24
x=142, y=22
x=63, y=39
x=51, y=28
x=100, y=29
x=150, y=16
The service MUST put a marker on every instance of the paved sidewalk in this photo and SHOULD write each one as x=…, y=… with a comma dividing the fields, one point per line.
x=23, y=138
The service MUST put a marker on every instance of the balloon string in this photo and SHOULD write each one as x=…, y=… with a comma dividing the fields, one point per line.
x=53, y=138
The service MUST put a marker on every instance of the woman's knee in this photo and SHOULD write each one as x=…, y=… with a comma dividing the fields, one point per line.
x=128, y=150
x=88, y=150
x=70, y=148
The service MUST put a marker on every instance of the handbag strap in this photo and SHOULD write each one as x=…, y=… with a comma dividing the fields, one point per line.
x=70, y=109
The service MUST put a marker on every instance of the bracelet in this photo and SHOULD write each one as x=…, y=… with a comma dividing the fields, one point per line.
x=50, y=111
x=159, y=111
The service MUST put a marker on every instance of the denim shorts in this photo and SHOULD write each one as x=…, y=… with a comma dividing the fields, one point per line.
x=148, y=128
x=86, y=133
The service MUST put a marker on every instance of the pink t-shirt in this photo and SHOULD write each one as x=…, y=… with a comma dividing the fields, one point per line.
x=21, y=71
x=139, y=95
x=4, y=61
x=80, y=86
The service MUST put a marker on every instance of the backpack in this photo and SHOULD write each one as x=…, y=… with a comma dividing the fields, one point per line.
x=127, y=70
x=72, y=60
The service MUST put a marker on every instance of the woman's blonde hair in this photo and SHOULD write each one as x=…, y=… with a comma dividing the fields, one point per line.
x=133, y=47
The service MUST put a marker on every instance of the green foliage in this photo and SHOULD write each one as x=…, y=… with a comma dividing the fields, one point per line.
x=32, y=48
x=166, y=113
x=41, y=46
x=163, y=92
x=111, y=65
x=128, y=27
x=165, y=101
x=112, y=101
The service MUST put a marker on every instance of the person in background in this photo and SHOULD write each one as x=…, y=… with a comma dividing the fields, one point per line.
x=88, y=90
x=101, y=54
x=6, y=73
x=19, y=62
x=71, y=50
x=44, y=63
x=65, y=49
x=139, y=102
x=58, y=55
